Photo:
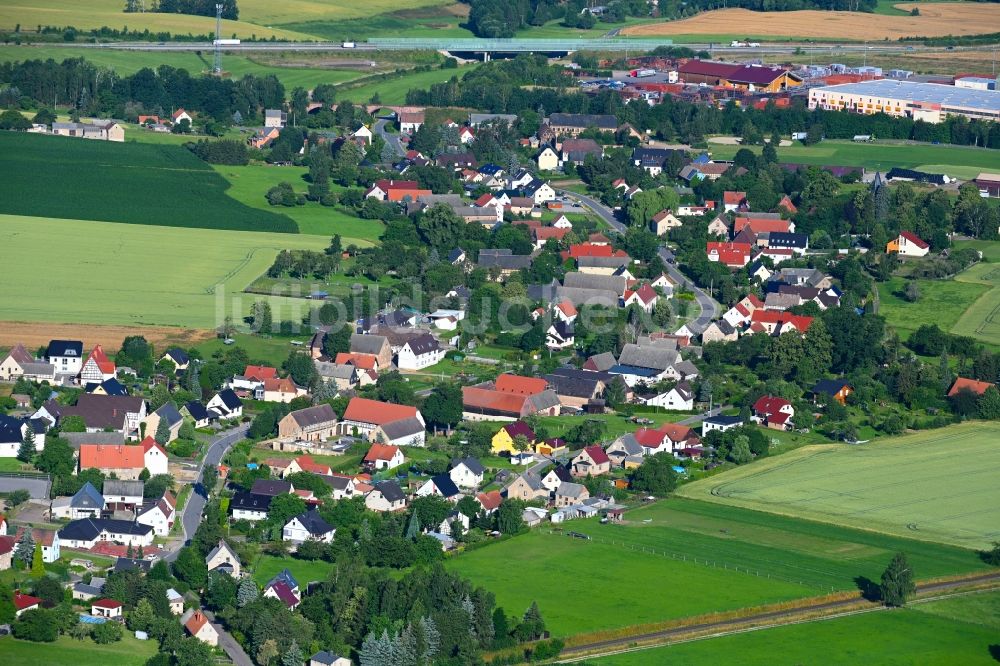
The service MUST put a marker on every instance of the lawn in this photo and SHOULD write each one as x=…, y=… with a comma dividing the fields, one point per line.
x=920, y=634
x=249, y=185
x=981, y=319
x=960, y=161
x=615, y=424
x=128, y=62
x=818, y=555
x=305, y=571
x=937, y=485
x=128, y=652
x=271, y=350
x=137, y=274
x=583, y=586
x=121, y=182
x=941, y=302
x=393, y=89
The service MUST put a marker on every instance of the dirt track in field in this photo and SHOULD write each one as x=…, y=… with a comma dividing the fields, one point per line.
x=935, y=20
x=35, y=334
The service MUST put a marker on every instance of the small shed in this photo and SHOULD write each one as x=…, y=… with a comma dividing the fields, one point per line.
x=106, y=608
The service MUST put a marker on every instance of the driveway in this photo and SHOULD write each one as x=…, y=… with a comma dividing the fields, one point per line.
x=709, y=308
x=390, y=138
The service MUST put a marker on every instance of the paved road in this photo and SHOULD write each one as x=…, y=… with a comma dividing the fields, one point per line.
x=389, y=137
x=698, y=418
x=710, y=309
x=196, y=502
x=758, y=620
x=229, y=644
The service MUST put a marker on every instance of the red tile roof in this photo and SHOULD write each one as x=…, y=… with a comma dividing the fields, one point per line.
x=260, y=372
x=913, y=238
x=196, y=622
x=520, y=428
x=150, y=443
x=800, y=322
x=279, y=385
x=381, y=452
x=7, y=544
x=400, y=194
x=112, y=456
x=106, y=603
x=597, y=454
x=545, y=233
x=787, y=204
x=285, y=593
x=490, y=500
x=645, y=293
x=706, y=68
x=484, y=398
x=730, y=198
x=730, y=254
x=973, y=385
x=23, y=601
x=592, y=250
x=106, y=365
x=567, y=308
x=760, y=225
x=387, y=184
x=769, y=405
x=520, y=385
x=309, y=465
x=363, y=361
x=364, y=410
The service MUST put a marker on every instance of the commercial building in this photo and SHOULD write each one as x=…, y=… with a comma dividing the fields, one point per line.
x=930, y=102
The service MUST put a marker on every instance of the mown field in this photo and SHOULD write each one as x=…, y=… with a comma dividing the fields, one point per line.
x=54, y=176
x=961, y=630
x=941, y=302
x=935, y=20
x=937, y=485
x=583, y=586
x=76, y=271
x=66, y=650
x=249, y=185
x=960, y=161
x=129, y=62
x=393, y=90
x=981, y=319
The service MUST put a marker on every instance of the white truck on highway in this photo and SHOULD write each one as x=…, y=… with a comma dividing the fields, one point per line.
x=226, y=42
x=736, y=44
x=347, y=45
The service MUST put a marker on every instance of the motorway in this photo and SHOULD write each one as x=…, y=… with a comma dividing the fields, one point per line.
x=516, y=46
x=710, y=309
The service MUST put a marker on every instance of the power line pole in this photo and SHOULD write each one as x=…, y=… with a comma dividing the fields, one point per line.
x=217, y=68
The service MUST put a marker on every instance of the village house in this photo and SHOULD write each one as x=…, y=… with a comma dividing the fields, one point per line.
x=314, y=424
x=224, y=559
x=66, y=356
x=410, y=121
x=908, y=244
x=966, y=384
x=419, y=352
x=199, y=627
x=591, y=461
x=503, y=440
x=386, y=496
x=382, y=457
x=227, y=404
x=571, y=124
x=24, y=603
x=510, y=398
x=385, y=422
x=374, y=345
x=87, y=502
x=125, y=462
x=663, y=222
x=466, y=472
x=680, y=398
x=20, y=363
x=719, y=331
x=167, y=412
x=440, y=485
x=99, y=129
x=178, y=357
x=100, y=413
x=308, y=526
x=625, y=451
x=48, y=540
x=175, y=601
x=773, y=412
x=85, y=533
x=568, y=494
x=106, y=608
x=669, y=437
x=97, y=368
x=158, y=514
x=248, y=506
x=832, y=389
x=328, y=659
x=547, y=159
x=721, y=423
x=527, y=487
x=122, y=494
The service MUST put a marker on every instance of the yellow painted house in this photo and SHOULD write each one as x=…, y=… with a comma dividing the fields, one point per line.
x=503, y=440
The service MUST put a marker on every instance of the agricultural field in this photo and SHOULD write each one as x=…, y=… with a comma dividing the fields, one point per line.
x=259, y=18
x=962, y=630
x=100, y=180
x=35, y=335
x=237, y=65
x=959, y=161
x=557, y=571
x=937, y=485
x=249, y=185
x=65, y=650
x=935, y=20
x=136, y=274
x=941, y=302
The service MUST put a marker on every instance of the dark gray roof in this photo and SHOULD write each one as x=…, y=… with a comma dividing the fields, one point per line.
x=723, y=420
x=271, y=487
x=575, y=383
x=103, y=411
x=367, y=344
x=197, y=410
x=830, y=386
x=335, y=482
x=179, y=355
x=65, y=348
x=657, y=358
x=403, y=427
x=87, y=529
x=313, y=522
x=75, y=439
x=10, y=429
x=111, y=386
x=230, y=399
x=250, y=502
x=325, y=658
x=603, y=361
x=584, y=120
x=423, y=344
x=126, y=488
x=130, y=564
x=613, y=283
x=445, y=485
x=315, y=415
x=782, y=239
x=390, y=491
x=87, y=498
x=579, y=296
x=168, y=411
x=474, y=465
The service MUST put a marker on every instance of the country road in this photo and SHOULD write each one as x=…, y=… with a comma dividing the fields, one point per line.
x=390, y=138
x=710, y=309
x=822, y=610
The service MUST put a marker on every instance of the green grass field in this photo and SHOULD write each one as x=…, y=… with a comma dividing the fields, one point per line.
x=76, y=271
x=393, y=90
x=584, y=586
x=937, y=485
x=129, y=62
x=961, y=630
x=305, y=571
x=616, y=424
x=817, y=555
x=958, y=161
x=127, y=652
x=941, y=302
x=249, y=185
x=55, y=176
x=981, y=319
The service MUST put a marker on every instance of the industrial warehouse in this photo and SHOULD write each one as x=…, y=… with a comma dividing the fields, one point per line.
x=930, y=102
